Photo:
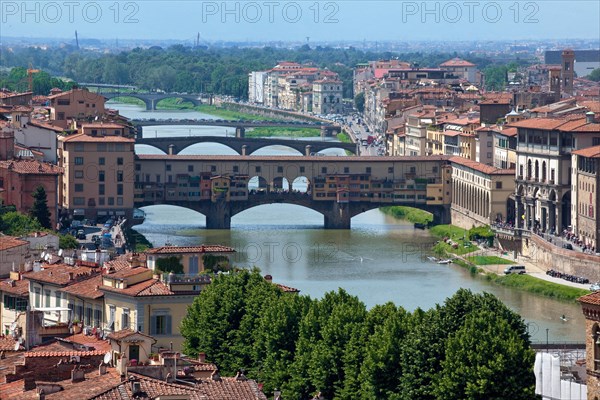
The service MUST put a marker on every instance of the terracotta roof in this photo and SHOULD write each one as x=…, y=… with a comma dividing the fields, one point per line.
x=81, y=137
x=457, y=62
x=124, y=333
x=45, y=125
x=190, y=249
x=287, y=289
x=592, y=298
x=61, y=275
x=17, y=288
x=127, y=272
x=573, y=124
x=151, y=287
x=33, y=167
x=9, y=242
x=87, y=289
x=89, y=341
x=7, y=343
x=486, y=169
x=464, y=121
x=508, y=131
x=589, y=152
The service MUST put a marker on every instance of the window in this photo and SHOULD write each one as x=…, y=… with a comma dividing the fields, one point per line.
x=47, y=298
x=79, y=201
x=346, y=170
x=324, y=170
x=119, y=201
x=101, y=201
x=37, y=297
x=119, y=176
x=257, y=169
x=1, y=182
x=78, y=147
x=301, y=170
x=111, y=317
x=190, y=168
x=236, y=168
x=78, y=174
x=87, y=320
x=280, y=169
x=391, y=170
x=120, y=189
x=101, y=161
x=79, y=187
x=138, y=165
x=125, y=319
x=56, y=299
x=101, y=189
x=498, y=185
x=413, y=170
x=368, y=170
x=160, y=324
x=97, y=317
x=119, y=160
x=213, y=168
x=101, y=176
x=111, y=201
x=78, y=160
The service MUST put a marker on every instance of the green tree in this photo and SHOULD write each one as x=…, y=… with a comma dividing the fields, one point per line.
x=17, y=224
x=594, y=75
x=486, y=359
x=40, y=209
x=359, y=102
x=67, y=242
x=170, y=264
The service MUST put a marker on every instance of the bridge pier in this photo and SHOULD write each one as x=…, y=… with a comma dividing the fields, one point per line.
x=240, y=132
x=441, y=215
x=339, y=217
x=218, y=216
x=307, y=150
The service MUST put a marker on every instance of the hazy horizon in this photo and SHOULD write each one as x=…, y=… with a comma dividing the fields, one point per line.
x=295, y=21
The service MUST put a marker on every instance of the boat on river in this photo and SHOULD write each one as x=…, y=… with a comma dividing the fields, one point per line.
x=448, y=261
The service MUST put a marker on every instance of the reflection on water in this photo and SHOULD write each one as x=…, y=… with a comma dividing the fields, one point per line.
x=379, y=260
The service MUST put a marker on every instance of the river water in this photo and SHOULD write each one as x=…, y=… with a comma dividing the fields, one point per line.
x=380, y=259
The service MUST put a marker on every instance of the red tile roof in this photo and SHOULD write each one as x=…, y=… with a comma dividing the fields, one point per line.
x=592, y=298
x=81, y=137
x=17, y=288
x=7, y=343
x=287, y=289
x=45, y=125
x=573, y=124
x=190, y=249
x=125, y=333
x=31, y=167
x=62, y=275
x=102, y=125
x=88, y=289
x=151, y=287
x=457, y=62
x=477, y=166
x=589, y=152
x=9, y=242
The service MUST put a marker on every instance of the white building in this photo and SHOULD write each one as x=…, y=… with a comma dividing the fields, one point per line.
x=256, y=83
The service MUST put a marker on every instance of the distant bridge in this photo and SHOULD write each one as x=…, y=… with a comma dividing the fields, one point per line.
x=108, y=86
x=240, y=126
x=338, y=187
x=243, y=146
x=151, y=99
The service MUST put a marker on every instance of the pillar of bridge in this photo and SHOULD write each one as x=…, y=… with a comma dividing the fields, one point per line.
x=441, y=215
x=307, y=150
x=171, y=149
x=219, y=216
x=244, y=149
x=240, y=132
x=139, y=132
x=338, y=217
x=323, y=132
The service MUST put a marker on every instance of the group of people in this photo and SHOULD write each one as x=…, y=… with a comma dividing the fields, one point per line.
x=571, y=237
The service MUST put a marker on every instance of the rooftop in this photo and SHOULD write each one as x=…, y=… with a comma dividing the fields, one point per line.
x=190, y=249
x=484, y=168
x=9, y=242
x=589, y=152
x=81, y=137
x=62, y=274
x=31, y=167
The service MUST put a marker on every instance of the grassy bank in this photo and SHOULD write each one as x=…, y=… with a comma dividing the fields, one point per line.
x=127, y=100
x=449, y=231
x=538, y=286
x=267, y=131
x=179, y=104
x=488, y=260
x=413, y=215
x=344, y=138
x=137, y=241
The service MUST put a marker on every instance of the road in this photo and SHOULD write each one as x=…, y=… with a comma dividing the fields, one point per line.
x=358, y=133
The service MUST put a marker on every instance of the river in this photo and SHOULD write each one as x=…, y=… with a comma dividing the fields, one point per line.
x=380, y=259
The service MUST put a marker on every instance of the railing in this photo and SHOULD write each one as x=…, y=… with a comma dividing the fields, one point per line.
x=186, y=278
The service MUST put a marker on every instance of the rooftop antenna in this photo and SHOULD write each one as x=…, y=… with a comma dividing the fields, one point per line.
x=198, y=40
x=307, y=40
x=76, y=40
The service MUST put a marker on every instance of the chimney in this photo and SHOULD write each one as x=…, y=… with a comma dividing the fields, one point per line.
x=102, y=369
x=202, y=357
x=215, y=376
x=41, y=395
x=135, y=386
x=269, y=278
x=77, y=375
x=70, y=276
x=589, y=117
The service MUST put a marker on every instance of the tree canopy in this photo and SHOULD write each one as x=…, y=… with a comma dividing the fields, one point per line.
x=470, y=347
x=40, y=210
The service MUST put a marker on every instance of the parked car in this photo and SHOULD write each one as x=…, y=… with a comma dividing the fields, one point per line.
x=595, y=287
x=568, y=246
x=514, y=269
x=81, y=234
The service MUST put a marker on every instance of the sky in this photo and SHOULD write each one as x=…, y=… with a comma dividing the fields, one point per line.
x=271, y=20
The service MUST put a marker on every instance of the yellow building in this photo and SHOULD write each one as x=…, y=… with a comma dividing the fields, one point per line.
x=135, y=299
x=98, y=172
x=585, y=182
x=14, y=300
x=75, y=104
x=480, y=193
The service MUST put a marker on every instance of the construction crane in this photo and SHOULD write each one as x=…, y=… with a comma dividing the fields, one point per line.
x=30, y=73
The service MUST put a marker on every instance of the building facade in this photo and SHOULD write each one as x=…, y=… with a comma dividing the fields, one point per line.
x=585, y=182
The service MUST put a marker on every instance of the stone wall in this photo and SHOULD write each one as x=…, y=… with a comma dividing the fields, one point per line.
x=547, y=256
x=465, y=221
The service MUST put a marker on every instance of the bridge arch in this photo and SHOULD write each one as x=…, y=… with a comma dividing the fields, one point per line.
x=265, y=146
x=224, y=146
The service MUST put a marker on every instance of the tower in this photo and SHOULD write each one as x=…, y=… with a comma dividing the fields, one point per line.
x=568, y=73
x=555, y=82
x=7, y=145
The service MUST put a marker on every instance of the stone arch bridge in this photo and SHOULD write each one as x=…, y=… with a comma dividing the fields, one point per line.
x=151, y=99
x=338, y=187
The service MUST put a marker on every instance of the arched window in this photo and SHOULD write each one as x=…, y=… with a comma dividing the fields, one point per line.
x=544, y=171
x=529, y=170
x=596, y=348
x=537, y=170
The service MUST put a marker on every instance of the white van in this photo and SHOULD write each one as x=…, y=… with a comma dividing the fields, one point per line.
x=514, y=269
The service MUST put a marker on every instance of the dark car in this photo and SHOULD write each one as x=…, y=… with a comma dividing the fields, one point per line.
x=81, y=234
x=568, y=246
